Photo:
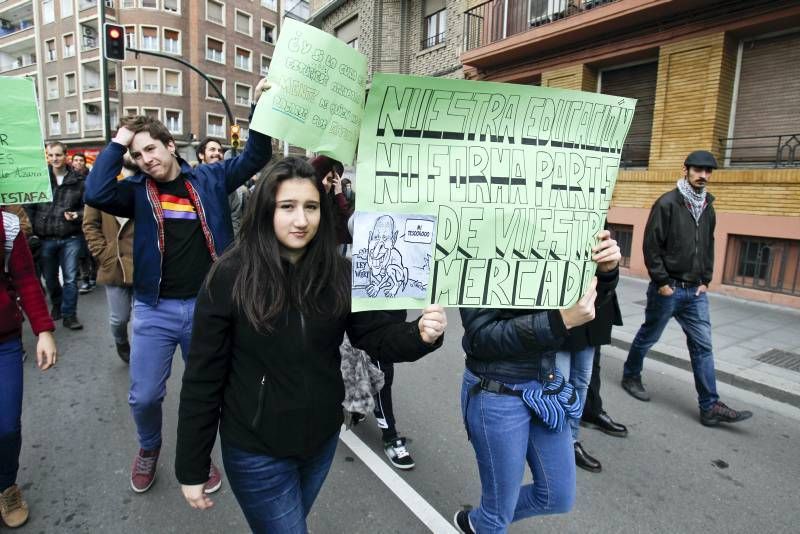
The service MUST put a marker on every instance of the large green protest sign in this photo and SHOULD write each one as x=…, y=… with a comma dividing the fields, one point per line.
x=519, y=178
x=317, y=95
x=23, y=169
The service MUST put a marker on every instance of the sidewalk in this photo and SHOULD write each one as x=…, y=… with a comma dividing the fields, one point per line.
x=742, y=332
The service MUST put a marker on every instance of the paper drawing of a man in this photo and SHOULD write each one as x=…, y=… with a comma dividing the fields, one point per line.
x=386, y=270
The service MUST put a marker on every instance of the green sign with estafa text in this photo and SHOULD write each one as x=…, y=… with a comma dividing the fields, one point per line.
x=23, y=168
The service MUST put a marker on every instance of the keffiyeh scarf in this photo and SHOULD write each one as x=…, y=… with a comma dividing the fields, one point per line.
x=696, y=202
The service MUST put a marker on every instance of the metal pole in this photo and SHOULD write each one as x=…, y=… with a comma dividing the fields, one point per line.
x=195, y=69
x=106, y=109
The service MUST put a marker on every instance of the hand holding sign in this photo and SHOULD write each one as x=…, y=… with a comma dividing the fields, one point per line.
x=582, y=311
x=432, y=324
x=606, y=253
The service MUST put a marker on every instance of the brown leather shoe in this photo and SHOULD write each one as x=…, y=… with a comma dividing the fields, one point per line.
x=13, y=507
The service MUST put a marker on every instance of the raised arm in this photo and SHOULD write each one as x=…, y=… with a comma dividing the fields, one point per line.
x=103, y=191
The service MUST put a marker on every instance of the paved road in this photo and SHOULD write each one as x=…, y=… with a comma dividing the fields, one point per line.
x=78, y=442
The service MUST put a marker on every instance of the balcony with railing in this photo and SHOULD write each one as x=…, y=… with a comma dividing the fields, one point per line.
x=494, y=20
x=769, y=151
x=12, y=60
x=15, y=19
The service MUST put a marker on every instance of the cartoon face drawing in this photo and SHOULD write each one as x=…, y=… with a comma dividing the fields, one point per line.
x=385, y=263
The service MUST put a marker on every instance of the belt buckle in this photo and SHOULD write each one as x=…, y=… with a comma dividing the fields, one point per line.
x=492, y=386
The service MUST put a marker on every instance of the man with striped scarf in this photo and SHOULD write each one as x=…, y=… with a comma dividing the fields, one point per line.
x=679, y=254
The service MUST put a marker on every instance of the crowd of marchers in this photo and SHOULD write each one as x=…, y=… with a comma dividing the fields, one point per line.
x=241, y=261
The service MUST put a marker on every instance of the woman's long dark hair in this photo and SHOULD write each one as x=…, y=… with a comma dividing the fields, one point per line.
x=262, y=289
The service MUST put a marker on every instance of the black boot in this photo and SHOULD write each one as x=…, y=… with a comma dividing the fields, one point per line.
x=585, y=461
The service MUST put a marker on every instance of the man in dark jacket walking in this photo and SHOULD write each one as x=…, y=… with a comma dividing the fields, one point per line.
x=58, y=227
x=679, y=254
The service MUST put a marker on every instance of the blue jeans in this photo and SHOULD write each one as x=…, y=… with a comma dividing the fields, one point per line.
x=691, y=312
x=10, y=410
x=119, y=311
x=62, y=253
x=276, y=494
x=577, y=368
x=505, y=435
x=157, y=331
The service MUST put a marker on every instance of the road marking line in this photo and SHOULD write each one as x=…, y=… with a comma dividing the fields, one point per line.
x=413, y=500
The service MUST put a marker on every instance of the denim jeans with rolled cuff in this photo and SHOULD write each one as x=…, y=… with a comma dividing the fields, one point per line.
x=576, y=366
x=505, y=436
x=691, y=312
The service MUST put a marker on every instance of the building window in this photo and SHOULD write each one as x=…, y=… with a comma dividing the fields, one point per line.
x=265, y=65
x=130, y=79
x=244, y=23
x=113, y=119
x=172, y=41
x=54, y=124
x=210, y=92
x=52, y=87
x=623, y=233
x=215, y=126
x=348, y=32
x=435, y=23
x=173, y=120
x=128, y=4
x=70, y=84
x=763, y=263
x=243, y=59
x=66, y=11
x=150, y=38
x=50, y=50
x=48, y=11
x=215, y=12
x=130, y=112
x=270, y=4
x=73, y=125
x=172, y=6
x=244, y=129
x=268, y=32
x=150, y=80
x=149, y=4
x=69, y=45
x=130, y=36
x=173, y=82
x=90, y=76
x=215, y=50
x=91, y=117
x=88, y=38
x=243, y=93
x=153, y=113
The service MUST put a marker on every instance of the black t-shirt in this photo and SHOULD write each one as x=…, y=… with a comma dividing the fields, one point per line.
x=186, y=255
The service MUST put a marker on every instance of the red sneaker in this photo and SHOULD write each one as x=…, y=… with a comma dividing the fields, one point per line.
x=143, y=471
x=214, y=479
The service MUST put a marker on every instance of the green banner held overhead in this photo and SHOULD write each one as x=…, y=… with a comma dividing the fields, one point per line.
x=519, y=178
x=23, y=168
x=317, y=96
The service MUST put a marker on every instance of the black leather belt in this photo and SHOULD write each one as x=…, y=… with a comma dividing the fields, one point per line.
x=684, y=285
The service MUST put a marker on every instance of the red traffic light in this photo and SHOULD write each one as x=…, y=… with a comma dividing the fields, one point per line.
x=114, y=42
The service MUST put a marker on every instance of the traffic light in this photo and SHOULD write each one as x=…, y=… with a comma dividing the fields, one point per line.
x=235, y=136
x=114, y=41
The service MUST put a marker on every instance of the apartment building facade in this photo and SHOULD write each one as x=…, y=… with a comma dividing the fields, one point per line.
x=57, y=42
x=715, y=75
x=418, y=37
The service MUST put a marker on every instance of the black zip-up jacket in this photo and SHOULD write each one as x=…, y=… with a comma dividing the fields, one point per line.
x=47, y=218
x=518, y=345
x=277, y=394
x=675, y=247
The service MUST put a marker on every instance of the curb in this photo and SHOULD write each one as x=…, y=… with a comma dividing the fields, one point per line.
x=754, y=386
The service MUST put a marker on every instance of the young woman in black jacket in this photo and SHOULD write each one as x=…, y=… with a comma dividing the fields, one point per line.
x=264, y=362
